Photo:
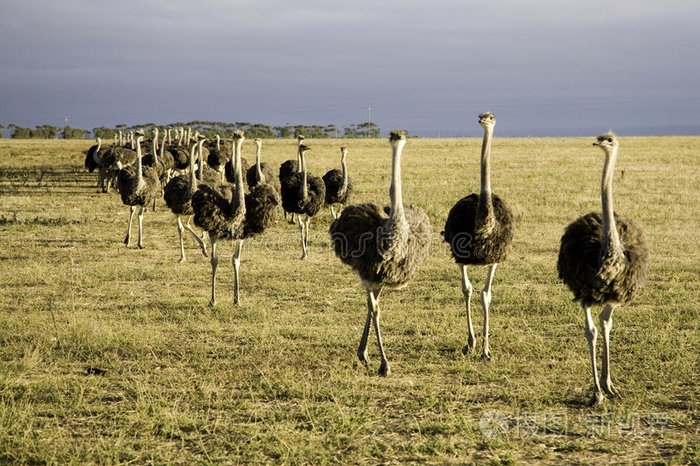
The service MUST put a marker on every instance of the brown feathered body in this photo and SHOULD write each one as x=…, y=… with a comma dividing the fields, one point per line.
x=335, y=194
x=582, y=265
x=293, y=202
x=382, y=253
x=135, y=191
x=471, y=245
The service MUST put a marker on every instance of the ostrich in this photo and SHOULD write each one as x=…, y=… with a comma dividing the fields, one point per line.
x=92, y=156
x=479, y=230
x=137, y=186
x=382, y=245
x=178, y=197
x=260, y=172
x=303, y=194
x=338, y=184
x=217, y=158
x=230, y=169
x=225, y=212
x=290, y=167
x=604, y=261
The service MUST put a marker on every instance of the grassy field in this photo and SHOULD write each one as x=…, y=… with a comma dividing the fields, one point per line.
x=277, y=380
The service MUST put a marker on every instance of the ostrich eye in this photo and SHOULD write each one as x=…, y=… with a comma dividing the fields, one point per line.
x=609, y=139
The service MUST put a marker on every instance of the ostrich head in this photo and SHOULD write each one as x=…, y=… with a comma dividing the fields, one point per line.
x=303, y=148
x=487, y=119
x=300, y=138
x=258, y=142
x=397, y=137
x=343, y=150
x=606, y=141
x=238, y=134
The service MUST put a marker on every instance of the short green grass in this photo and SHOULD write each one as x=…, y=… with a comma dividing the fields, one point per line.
x=277, y=380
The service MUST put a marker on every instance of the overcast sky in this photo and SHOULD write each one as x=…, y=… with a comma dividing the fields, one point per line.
x=552, y=67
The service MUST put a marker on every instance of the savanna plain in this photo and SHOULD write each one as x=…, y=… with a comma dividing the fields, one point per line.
x=111, y=354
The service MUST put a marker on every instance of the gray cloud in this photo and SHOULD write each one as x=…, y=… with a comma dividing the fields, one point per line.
x=554, y=66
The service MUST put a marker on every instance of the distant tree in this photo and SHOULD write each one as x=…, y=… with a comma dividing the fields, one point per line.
x=351, y=131
x=368, y=130
x=331, y=131
x=19, y=132
x=103, y=132
x=284, y=132
x=44, y=132
x=73, y=133
x=1, y=127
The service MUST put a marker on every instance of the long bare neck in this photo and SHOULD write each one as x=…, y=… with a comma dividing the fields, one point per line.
x=155, y=144
x=99, y=145
x=304, y=174
x=396, y=214
x=258, y=168
x=484, y=212
x=218, y=142
x=299, y=156
x=139, y=168
x=344, y=169
x=239, y=193
x=611, y=239
x=162, y=147
x=193, y=179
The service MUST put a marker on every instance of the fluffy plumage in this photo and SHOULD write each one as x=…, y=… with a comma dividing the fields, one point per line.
x=580, y=261
x=467, y=246
x=293, y=202
x=362, y=237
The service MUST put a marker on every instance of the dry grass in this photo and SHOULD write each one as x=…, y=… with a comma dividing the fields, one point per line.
x=276, y=380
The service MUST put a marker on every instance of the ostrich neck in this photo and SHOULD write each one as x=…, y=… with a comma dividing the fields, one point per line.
x=192, y=178
x=396, y=214
x=299, y=158
x=258, y=168
x=611, y=239
x=155, y=145
x=239, y=194
x=344, y=178
x=304, y=187
x=484, y=214
x=139, y=168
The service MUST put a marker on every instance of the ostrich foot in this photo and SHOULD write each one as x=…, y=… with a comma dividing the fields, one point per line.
x=486, y=354
x=384, y=369
x=609, y=389
x=364, y=359
x=597, y=399
x=127, y=240
x=212, y=302
x=204, y=251
x=182, y=259
x=141, y=246
x=304, y=256
x=470, y=347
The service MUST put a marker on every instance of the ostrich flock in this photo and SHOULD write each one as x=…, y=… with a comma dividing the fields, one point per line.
x=603, y=258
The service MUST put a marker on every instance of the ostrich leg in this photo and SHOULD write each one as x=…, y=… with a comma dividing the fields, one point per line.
x=384, y=369
x=127, y=240
x=236, y=271
x=467, y=291
x=181, y=231
x=605, y=318
x=592, y=336
x=214, y=263
x=141, y=211
x=300, y=220
x=199, y=240
x=362, y=350
x=485, y=301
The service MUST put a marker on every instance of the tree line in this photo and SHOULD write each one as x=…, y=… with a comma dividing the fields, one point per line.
x=208, y=128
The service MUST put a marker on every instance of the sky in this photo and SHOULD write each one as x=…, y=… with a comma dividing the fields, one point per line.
x=545, y=68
